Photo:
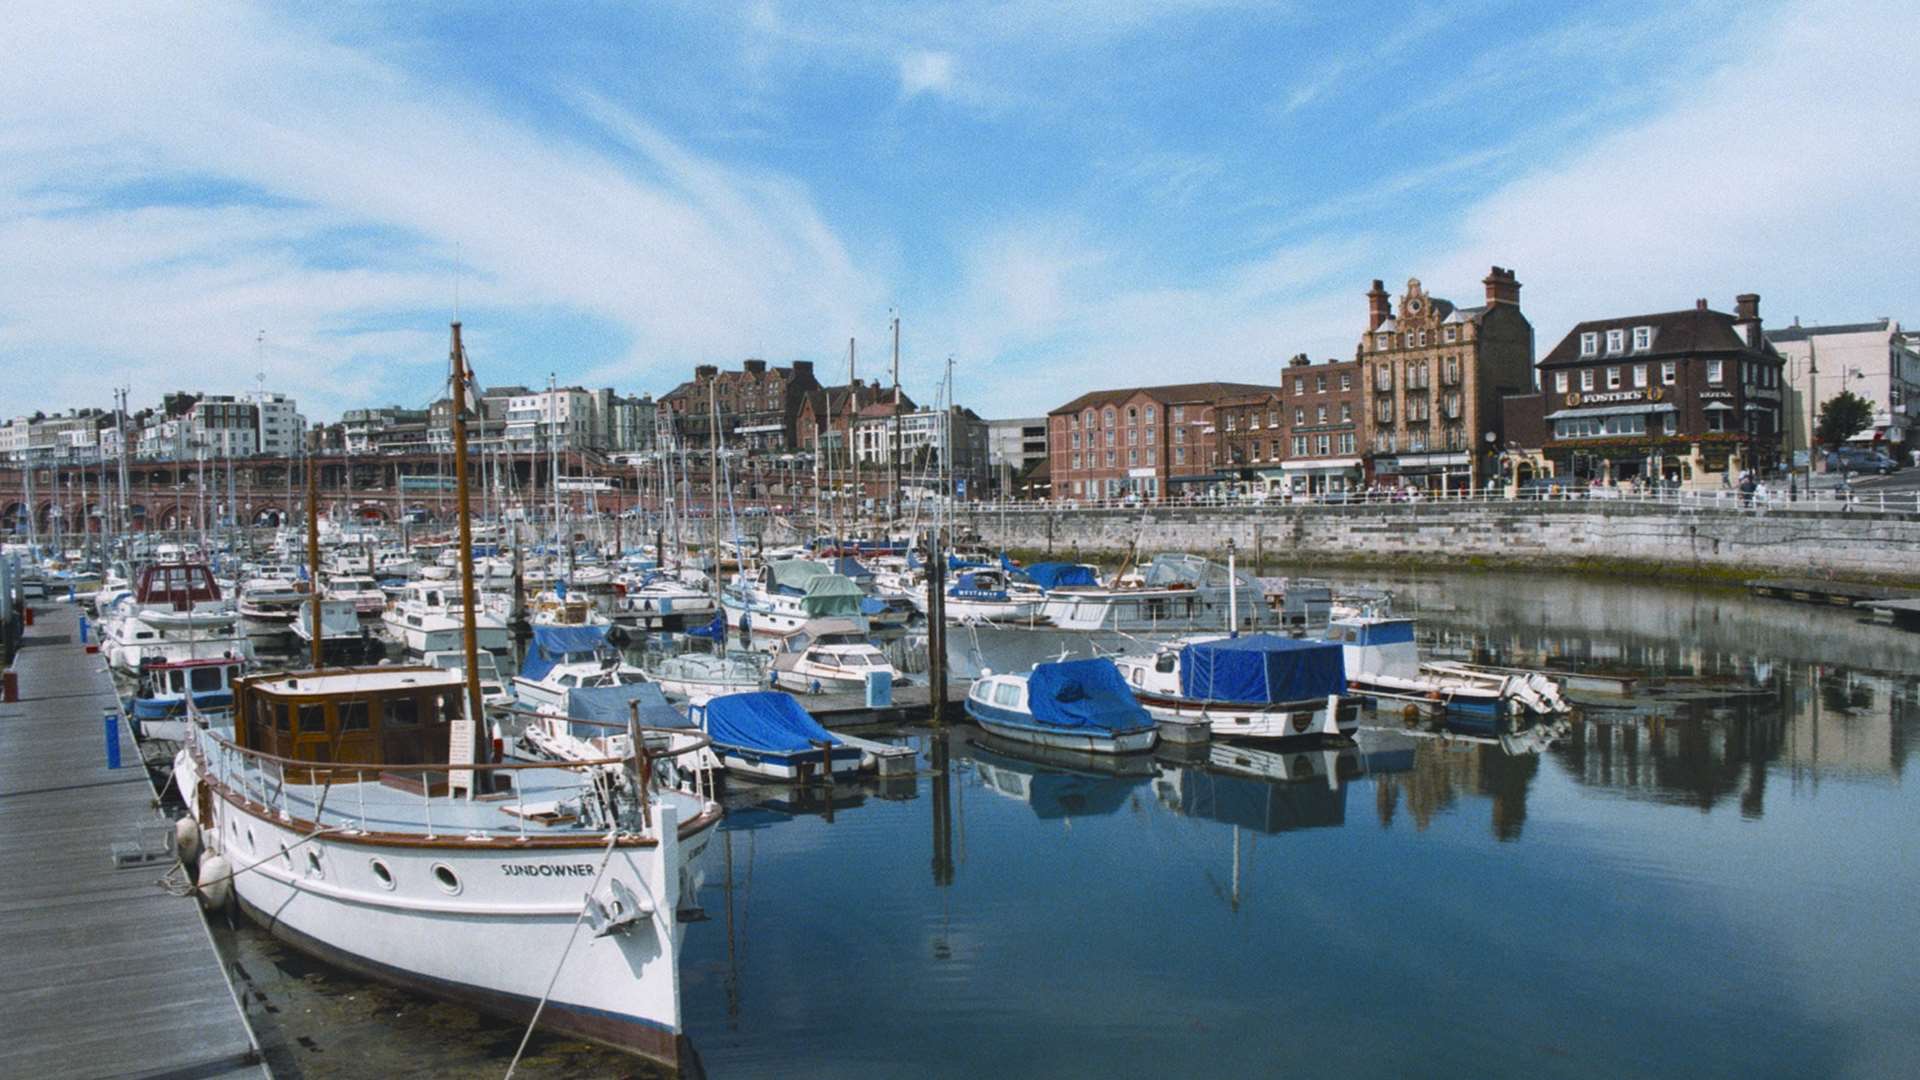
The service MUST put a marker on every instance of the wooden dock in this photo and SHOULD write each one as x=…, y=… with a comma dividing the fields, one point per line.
x=910, y=703
x=106, y=973
x=1815, y=591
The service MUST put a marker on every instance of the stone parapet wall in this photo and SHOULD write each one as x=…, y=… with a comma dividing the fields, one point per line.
x=1673, y=542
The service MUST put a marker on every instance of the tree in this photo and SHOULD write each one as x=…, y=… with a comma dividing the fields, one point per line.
x=1842, y=416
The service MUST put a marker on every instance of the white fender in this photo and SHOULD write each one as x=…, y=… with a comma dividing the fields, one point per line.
x=186, y=841
x=216, y=881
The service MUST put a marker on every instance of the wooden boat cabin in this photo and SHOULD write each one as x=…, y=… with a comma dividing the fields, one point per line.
x=371, y=715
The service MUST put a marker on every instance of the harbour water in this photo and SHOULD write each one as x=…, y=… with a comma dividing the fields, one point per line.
x=1713, y=877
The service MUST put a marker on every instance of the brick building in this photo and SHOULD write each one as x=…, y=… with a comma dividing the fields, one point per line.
x=1434, y=374
x=1691, y=397
x=1324, y=409
x=1144, y=441
x=758, y=406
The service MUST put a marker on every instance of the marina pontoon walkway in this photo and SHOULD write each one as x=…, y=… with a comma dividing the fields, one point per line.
x=106, y=974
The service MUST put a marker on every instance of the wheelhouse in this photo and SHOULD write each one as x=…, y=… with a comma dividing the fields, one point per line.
x=371, y=715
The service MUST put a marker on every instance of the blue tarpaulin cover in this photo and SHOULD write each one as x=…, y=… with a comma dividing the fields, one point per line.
x=764, y=720
x=1053, y=575
x=848, y=566
x=1261, y=668
x=608, y=705
x=551, y=644
x=713, y=631
x=1084, y=694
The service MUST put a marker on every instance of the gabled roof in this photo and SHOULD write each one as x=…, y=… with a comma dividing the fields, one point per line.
x=1675, y=334
x=1175, y=394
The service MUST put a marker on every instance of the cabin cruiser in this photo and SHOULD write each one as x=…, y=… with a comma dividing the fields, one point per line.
x=428, y=618
x=827, y=656
x=989, y=595
x=694, y=677
x=360, y=590
x=784, y=596
x=181, y=596
x=271, y=599
x=168, y=690
x=1383, y=663
x=563, y=658
x=560, y=606
x=342, y=635
x=1173, y=592
x=1260, y=686
x=653, y=596
x=494, y=691
x=1067, y=705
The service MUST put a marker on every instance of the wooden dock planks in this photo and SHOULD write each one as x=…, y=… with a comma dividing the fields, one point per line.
x=106, y=973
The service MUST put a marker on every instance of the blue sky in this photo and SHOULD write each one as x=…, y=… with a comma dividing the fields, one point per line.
x=1059, y=196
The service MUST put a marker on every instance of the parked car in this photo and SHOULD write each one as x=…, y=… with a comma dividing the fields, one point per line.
x=1855, y=459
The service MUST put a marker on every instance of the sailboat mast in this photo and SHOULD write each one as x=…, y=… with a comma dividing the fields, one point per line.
x=853, y=431
x=468, y=634
x=313, y=563
x=893, y=512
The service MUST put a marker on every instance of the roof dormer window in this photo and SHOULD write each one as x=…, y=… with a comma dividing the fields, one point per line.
x=1642, y=338
x=1616, y=340
x=1589, y=344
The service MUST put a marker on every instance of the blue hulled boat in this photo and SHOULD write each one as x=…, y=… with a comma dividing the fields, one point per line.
x=1067, y=705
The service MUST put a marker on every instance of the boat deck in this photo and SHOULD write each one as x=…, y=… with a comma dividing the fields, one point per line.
x=539, y=806
x=106, y=973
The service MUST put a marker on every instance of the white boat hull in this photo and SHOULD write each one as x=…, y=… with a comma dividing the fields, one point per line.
x=1065, y=739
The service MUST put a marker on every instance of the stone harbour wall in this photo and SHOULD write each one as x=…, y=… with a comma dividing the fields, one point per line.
x=1674, y=542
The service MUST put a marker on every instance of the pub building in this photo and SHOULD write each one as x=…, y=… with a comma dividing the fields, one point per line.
x=1689, y=398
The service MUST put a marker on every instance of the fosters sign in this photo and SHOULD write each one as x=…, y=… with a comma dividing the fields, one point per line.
x=1649, y=393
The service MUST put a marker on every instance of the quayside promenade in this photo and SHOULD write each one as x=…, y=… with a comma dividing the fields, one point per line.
x=1865, y=539
x=106, y=973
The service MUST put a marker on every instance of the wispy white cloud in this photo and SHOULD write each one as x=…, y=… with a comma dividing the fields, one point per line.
x=682, y=255
x=925, y=71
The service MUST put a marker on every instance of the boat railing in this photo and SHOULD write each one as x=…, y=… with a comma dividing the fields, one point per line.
x=262, y=778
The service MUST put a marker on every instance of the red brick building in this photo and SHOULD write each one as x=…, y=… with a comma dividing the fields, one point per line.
x=1147, y=441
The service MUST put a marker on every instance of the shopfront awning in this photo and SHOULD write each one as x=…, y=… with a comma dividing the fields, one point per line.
x=1615, y=410
x=1427, y=461
x=1321, y=464
x=1719, y=406
x=1204, y=478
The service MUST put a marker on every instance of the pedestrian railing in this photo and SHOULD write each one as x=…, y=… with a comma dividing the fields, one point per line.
x=1871, y=502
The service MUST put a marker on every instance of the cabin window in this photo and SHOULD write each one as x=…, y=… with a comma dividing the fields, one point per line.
x=206, y=678
x=313, y=720
x=1006, y=694
x=1164, y=663
x=569, y=681
x=282, y=716
x=353, y=716
x=402, y=712
x=176, y=680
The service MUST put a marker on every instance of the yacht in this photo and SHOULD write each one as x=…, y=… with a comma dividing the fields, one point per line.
x=695, y=677
x=360, y=590
x=784, y=596
x=828, y=656
x=561, y=659
x=349, y=813
x=342, y=635
x=1172, y=593
x=273, y=599
x=427, y=618
x=1383, y=664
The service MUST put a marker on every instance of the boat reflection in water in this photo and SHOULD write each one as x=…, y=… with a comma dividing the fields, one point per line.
x=1055, y=784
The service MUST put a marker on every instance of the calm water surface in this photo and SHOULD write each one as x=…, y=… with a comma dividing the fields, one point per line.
x=1715, y=877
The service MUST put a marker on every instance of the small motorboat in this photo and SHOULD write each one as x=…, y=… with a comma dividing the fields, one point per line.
x=1260, y=686
x=342, y=635
x=1066, y=704
x=767, y=734
x=169, y=690
x=561, y=659
x=829, y=655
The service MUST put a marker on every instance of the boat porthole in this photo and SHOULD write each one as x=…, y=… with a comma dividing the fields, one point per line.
x=383, y=875
x=249, y=839
x=313, y=864
x=448, y=880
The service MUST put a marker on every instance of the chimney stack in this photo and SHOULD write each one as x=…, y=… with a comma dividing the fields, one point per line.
x=1502, y=287
x=756, y=367
x=1746, y=314
x=1379, y=308
x=1700, y=304
x=1300, y=359
x=705, y=372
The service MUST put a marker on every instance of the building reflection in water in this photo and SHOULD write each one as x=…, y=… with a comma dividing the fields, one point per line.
x=1441, y=770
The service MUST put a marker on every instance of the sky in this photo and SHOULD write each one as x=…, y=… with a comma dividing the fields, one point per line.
x=1056, y=196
